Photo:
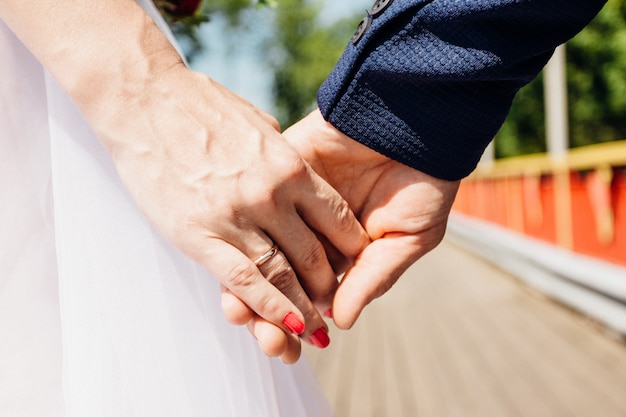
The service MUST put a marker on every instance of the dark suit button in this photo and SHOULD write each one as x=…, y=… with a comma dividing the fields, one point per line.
x=379, y=6
x=361, y=29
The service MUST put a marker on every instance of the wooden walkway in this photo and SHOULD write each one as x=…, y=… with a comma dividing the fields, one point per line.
x=459, y=338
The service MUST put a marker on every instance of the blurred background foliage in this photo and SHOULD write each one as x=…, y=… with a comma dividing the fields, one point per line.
x=596, y=81
x=307, y=50
x=185, y=28
x=301, y=49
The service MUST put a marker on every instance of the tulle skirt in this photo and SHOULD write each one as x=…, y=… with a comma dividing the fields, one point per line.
x=98, y=315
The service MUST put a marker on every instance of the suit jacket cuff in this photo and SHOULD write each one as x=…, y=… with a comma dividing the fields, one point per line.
x=430, y=82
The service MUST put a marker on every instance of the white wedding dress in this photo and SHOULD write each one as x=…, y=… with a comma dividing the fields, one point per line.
x=99, y=317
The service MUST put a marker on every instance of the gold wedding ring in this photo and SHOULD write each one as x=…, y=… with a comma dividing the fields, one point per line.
x=266, y=256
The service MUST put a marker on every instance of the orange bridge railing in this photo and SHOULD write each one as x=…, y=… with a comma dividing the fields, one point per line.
x=578, y=203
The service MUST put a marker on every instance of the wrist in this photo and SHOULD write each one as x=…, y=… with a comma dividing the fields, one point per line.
x=136, y=121
x=101, y=53
x=119, y=82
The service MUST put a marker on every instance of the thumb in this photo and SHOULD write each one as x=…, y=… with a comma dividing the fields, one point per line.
x=373, y=273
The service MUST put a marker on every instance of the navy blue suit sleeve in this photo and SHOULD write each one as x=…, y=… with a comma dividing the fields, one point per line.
x=431, y=81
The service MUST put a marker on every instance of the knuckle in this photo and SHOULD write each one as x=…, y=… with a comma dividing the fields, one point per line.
x=299, y=168
x=269, y=190
x=344, y=217
x=241, y=276
x=268, y=306
x=313, y=258
x=264, y=194
x=281, y=275
x=292, y=168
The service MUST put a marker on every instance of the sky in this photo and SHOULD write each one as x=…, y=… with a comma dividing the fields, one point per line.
x=234, y=62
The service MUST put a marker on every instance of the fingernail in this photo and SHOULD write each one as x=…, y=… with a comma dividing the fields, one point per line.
x=293, y=323
x=320, y=338
x=329, y=313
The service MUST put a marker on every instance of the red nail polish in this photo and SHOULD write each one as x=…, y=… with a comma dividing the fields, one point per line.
x=293, y=323
x=320, y=338
x=329, y=313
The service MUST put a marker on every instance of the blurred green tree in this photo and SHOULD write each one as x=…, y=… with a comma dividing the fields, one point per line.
x=185, y=27
x=596, y=80
x=301, y=50
x=304, y=51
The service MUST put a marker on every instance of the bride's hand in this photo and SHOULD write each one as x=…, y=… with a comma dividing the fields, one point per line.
x=210, y=171
x=218, y=180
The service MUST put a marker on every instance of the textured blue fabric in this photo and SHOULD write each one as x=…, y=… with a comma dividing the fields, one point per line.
x=431, y=81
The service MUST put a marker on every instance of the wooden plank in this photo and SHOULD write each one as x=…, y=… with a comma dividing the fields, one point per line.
x=457, y=337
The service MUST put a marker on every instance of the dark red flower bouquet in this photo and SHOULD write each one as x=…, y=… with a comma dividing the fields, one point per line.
x=178, y=8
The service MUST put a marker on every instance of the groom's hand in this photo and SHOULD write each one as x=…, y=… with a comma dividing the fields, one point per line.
x=403, y=210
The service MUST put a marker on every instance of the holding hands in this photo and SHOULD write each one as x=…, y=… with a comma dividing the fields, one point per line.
x=210, y=171
x=404, y=212
x=217, y=179
x=438, y=78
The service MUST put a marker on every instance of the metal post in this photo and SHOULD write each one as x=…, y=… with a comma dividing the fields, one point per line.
x=557, y=131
